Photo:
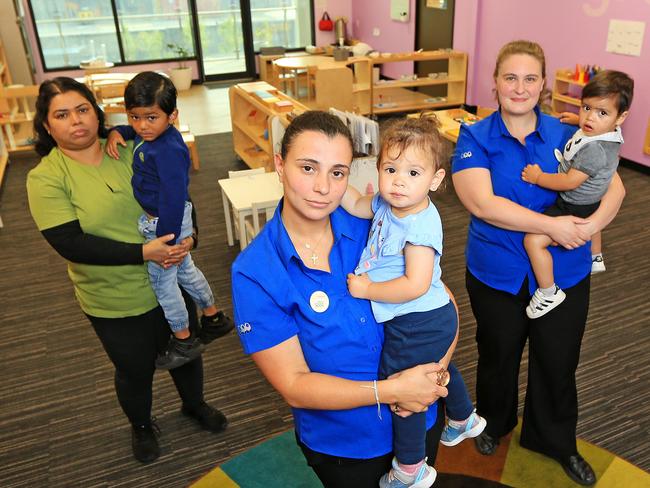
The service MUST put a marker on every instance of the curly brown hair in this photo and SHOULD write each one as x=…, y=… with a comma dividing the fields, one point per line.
x=419, y=132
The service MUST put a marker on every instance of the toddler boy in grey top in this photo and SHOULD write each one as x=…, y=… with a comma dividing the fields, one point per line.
x=586, y=169
x=597, y=156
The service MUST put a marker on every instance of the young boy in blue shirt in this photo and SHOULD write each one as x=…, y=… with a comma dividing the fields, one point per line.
x=586, y=168
x=160, y=181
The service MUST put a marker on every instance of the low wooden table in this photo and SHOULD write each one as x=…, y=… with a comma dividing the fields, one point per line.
x=241, y=193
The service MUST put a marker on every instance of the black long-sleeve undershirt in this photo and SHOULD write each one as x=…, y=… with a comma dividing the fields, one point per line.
x=74, y=245
x=70, y=241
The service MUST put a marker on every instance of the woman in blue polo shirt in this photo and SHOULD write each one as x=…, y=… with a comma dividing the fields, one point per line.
x=487, y=165
x=315, y=343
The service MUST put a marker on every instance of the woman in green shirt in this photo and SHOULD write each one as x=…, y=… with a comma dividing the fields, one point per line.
x=82, y=202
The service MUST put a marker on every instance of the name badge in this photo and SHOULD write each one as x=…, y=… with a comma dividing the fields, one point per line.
x=319, y=301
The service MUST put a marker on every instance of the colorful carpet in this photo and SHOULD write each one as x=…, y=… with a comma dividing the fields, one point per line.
x=278, y=463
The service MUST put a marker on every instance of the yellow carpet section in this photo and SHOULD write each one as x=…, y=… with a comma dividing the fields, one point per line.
x=215, y=479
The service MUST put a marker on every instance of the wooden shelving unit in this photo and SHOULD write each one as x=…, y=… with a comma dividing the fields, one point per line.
x=646, y=144
x=5, y=75
x=566, y=92
x=399, y=95
x=251, y=122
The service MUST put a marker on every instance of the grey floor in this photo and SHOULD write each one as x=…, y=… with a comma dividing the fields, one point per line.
x=61, y=426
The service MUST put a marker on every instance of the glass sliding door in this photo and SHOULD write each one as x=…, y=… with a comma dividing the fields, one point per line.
x=224, y=33
x=232, y=31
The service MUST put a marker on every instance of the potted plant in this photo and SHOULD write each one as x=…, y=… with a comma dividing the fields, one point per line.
x=181, y=76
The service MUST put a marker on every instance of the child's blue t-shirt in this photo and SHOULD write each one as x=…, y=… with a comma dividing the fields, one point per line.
x=383, y=256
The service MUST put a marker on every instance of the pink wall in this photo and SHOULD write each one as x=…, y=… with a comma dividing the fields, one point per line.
x=570, y=33
x=395, y=37
x=335, y=9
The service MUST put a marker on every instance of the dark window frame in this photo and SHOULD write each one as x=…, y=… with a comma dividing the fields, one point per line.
x=247, y=33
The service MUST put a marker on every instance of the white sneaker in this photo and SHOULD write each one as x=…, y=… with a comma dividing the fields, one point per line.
x=597, y=265
x=455, y=435
x=396, y=478
x=541, y=304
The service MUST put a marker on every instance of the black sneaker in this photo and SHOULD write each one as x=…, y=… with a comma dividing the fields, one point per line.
x=215, y=326
x=179, y=352
x=208, y=417
x=144, y=441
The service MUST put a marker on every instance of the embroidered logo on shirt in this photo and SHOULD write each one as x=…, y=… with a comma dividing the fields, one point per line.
x=141, y=156
x=244, y=328
x=466, y=154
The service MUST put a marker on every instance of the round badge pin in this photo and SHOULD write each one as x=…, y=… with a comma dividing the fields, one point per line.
x=319, y=301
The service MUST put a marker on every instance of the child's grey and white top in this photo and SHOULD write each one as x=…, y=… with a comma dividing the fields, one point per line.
x=596, y=156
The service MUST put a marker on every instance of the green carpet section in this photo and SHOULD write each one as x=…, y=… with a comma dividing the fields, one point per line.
x=278, y=463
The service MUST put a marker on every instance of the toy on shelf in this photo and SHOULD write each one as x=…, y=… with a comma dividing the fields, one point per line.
x=583, y=74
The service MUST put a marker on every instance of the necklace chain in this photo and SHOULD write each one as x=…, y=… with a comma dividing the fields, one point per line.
x=314, y=255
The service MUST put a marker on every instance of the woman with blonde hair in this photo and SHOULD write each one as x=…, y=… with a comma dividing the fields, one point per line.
x=486, y=167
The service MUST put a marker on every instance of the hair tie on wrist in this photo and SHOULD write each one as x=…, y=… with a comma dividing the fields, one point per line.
x=374, y=388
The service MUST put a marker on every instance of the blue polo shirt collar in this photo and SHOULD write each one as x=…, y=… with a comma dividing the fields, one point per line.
x=499, y=127
x=341, y=227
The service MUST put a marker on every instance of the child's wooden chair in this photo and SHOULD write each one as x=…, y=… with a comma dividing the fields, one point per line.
x=16, y=116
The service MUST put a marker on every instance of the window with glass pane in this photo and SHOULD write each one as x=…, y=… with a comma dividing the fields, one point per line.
x=284, y=23
x=72, y=31
x=146, y=27
x=222, y=39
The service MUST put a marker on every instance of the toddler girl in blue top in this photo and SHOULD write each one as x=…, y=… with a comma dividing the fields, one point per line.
x=399, y=271
x=160, y=181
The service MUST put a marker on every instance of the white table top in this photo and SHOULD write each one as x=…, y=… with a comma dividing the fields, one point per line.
x=245, y=190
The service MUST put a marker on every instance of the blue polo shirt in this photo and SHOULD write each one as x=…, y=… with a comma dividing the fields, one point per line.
x=497, y=256
x=272, y=291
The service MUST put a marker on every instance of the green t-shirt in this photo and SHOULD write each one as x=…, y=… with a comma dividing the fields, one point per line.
x=61, y=190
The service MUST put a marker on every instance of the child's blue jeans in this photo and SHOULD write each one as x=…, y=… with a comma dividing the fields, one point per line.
x=418, y=338
x=165, y=282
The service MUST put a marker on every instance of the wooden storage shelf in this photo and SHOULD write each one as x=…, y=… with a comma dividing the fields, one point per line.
x=251, y=122
x=398, y=95
x=424, y=81
x=5, y=75
x=402, y=100
x=646, y=144
x=566, y=92
x=255, y=133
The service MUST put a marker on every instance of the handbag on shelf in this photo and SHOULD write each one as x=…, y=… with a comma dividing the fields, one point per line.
x=325, y=23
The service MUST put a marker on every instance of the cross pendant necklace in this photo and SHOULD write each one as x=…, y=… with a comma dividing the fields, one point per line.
x=314, y=256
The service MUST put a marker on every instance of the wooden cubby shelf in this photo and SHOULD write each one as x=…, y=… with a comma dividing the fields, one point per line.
x=251, y=122
x=566, y=92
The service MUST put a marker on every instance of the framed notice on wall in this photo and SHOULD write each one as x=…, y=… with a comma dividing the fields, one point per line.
x=441, y=4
